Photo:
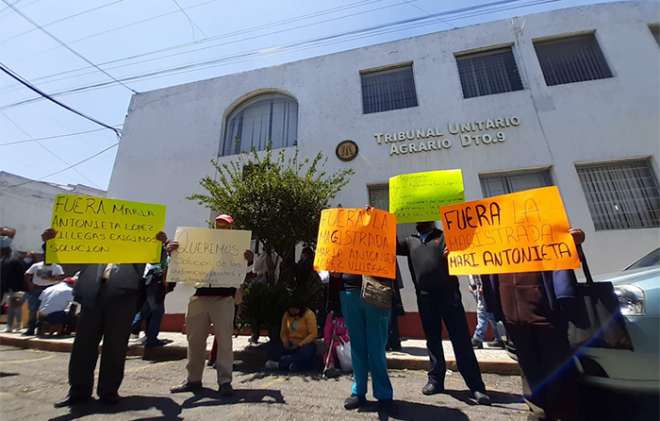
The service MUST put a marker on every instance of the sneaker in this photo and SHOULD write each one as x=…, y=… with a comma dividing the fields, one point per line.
x=432, y=389
x=253, y=340
x=156, y=344
x=354, y=402
x=481, y=398
x=186, y=387
x=28, y=333
x=225, y=389
x=9, y=330
x=477, y=344
x=272, y=365
x=495, y=344
x=134, y=337
x=331, y=373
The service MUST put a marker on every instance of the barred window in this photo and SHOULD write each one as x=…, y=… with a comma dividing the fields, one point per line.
x=655, y=31
x=621, y=195
x=389, y=89
x=489, y=72
x=379, y=198
x=573, y=59
x=496, y=184
x=262, y=120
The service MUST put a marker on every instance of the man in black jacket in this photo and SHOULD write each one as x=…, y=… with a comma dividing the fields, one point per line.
x=439, y=300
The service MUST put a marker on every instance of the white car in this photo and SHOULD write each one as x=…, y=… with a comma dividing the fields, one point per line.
x=638, y=370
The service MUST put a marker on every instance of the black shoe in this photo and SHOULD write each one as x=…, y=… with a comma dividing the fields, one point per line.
x=225, y=389
x=72, y=401
x=110, y=399
x=28, y=333
x=156, y=344
x=354, y=402
x=187, y=387
x=432, y=389
x=481, y=398
x=477, y=344
x=387, y=406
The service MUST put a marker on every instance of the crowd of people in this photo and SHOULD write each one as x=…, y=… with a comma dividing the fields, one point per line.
x=115, y=299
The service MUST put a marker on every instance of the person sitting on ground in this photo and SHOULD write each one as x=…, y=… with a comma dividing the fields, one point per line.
x=54, y=307
x=298, y=332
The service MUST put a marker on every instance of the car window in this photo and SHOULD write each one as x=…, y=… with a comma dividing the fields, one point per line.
x=651, y=259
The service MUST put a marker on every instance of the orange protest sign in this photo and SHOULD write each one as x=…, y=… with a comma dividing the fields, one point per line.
x=357, y=241
x=518, y=232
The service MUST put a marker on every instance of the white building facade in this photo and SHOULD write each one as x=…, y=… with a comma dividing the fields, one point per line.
x=568, y=98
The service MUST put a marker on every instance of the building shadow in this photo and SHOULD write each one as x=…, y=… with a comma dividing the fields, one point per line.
x=414, y=411
x=210, y=397
x=169, y=409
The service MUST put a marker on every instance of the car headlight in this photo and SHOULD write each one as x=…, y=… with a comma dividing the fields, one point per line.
x=631, y=299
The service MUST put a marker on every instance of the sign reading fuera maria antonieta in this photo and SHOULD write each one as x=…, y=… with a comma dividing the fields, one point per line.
x=470, y=133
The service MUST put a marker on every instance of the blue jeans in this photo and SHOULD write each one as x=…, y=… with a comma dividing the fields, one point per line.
x=33, y=306
x=299, y=359
x=368, y=332
x=152, y=312
x=483, y=318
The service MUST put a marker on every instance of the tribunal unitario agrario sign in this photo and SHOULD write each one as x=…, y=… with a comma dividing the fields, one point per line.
x=467, y=134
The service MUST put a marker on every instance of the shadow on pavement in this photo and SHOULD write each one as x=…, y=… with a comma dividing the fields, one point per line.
x=413, y=411
x=209, y=397
x=495, y=397
x=169, y=409
x=4, y=374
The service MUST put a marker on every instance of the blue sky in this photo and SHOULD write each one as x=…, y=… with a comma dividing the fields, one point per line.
x=116, y=35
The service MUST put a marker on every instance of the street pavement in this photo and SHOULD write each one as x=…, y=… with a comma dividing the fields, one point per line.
x=32, y=380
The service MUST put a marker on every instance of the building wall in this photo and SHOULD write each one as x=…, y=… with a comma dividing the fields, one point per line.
x=28, y=207
x=171, y=134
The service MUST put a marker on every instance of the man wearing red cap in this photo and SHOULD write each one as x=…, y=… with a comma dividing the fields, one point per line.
x=210, y=305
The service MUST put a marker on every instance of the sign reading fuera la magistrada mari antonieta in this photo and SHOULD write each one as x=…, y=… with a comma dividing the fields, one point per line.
x=468, y=134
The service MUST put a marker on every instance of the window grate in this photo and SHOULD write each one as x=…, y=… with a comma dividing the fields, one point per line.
x=621, y=195
x=487, y=73
x=573, y=59
x=389, y=89
x=494, y=185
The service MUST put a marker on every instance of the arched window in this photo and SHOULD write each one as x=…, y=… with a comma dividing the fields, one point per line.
x=267, y=118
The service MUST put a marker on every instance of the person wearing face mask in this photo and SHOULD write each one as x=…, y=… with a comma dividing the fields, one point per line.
x=297, y=333
x=12, y=289
x=439, y=300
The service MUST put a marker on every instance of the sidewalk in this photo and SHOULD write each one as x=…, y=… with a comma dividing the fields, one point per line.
x=413, y=356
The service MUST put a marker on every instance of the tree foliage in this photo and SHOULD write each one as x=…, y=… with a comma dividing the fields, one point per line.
x=278, y=198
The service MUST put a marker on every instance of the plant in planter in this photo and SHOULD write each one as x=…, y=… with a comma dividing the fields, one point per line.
x=279, y=197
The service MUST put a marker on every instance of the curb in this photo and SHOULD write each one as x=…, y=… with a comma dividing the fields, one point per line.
x=249, y=356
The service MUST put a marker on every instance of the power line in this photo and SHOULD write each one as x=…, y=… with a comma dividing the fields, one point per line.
x=417, y=22
x=59, y=136
x=193, y=25
x=204, y=40
x=85, y=59
x=82, y=161
x=51, y=152
x=27, y=84
x=60, y=20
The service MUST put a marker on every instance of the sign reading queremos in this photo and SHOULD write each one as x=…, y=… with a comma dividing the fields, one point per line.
x=470, y=133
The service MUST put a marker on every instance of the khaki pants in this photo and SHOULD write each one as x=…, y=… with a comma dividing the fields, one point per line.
x=202, y=312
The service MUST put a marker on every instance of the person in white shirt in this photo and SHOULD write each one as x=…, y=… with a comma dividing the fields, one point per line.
x=55, y=305
x=37, y=278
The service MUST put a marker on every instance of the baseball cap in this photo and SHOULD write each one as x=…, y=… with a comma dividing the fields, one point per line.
x=228, y=219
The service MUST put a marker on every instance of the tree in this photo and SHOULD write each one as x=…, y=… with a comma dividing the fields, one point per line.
x=279, y=198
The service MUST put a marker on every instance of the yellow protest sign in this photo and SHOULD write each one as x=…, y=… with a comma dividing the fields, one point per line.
x=416, y=197
x=357, y=241
x=99, y=230
x=518, y=232
x=209, y=257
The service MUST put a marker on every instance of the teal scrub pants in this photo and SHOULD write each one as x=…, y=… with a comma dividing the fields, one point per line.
x=368, y=331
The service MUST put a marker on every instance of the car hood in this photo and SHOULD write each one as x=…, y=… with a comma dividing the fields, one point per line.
x=645, y=278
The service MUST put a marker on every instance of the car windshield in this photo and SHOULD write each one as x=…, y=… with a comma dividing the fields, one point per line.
x=651, y=259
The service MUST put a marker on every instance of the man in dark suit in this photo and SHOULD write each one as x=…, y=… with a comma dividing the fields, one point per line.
x=108, y=295
x=439, y=300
